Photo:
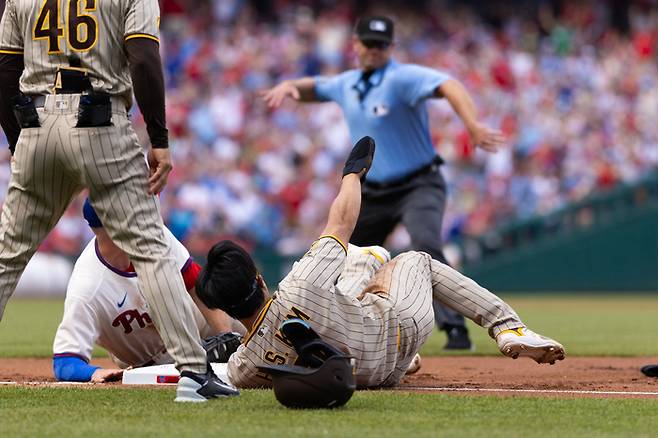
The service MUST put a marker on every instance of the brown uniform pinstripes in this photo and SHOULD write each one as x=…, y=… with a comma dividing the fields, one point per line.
x=54, y=162
x=379, y=313
x=115, y=21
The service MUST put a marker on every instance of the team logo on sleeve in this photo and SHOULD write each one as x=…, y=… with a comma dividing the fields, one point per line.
x=262, y=331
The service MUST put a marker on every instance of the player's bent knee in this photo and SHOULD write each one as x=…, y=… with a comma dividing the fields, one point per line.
x=379, y=252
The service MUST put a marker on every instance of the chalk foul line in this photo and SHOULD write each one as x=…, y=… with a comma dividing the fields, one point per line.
x=545, y=391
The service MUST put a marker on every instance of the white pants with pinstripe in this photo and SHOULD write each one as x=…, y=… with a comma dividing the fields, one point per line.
x=55, y=162
x=411, y=280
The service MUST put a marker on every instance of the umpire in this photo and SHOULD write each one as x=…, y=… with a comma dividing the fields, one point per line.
x=386, y=100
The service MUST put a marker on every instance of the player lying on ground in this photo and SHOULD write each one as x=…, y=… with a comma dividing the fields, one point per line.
x=104, y=306
x=377, y=310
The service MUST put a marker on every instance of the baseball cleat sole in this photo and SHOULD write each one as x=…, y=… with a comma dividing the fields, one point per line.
x=549, y=353
x=522, y=342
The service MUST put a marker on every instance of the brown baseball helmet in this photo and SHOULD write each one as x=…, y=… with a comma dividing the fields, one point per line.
x=323, y=376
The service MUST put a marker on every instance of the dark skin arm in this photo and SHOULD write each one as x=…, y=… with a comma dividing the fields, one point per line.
x=148, y=84
x=11, y=68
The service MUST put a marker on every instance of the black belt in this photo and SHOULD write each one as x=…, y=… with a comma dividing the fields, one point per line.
x=94, y=110
x=432, y=165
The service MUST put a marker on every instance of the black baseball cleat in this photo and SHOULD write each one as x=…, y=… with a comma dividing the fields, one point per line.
x=458, y=339
x=198, y=387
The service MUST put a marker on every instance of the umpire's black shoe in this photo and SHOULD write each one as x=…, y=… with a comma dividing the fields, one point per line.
x=650, y=370
x=197, y=387
x=458, y=339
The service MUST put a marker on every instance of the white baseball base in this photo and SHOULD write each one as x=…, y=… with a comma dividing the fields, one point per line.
x=164, y=374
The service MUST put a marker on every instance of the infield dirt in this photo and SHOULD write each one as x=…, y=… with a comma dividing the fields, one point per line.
x=573, y=374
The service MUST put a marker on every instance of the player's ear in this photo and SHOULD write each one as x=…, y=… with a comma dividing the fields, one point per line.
x=262, y=284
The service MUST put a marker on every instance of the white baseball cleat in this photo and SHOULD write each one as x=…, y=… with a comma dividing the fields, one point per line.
x=523, y=342
x=199, y=388
x=415, y=365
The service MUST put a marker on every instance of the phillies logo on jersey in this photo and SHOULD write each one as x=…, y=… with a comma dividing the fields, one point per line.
x=127, y=318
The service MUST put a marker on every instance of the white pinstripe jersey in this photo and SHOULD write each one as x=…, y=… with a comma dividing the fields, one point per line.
x=104, y=306
x=47, y=32
x=364, y=325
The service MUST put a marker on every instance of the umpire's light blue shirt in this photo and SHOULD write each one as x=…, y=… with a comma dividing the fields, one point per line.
x=391, y=110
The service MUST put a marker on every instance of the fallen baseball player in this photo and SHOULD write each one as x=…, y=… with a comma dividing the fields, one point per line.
x=375, y=309
x=103, y=306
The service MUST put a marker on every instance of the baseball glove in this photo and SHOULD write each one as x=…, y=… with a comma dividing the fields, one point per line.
x=221, y=346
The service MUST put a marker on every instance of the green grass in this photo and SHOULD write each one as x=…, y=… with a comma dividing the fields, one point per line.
x=143, y=412
x=28, y=328
x=588, y=325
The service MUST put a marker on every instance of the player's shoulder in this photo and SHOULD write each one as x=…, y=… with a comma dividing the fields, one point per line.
x=88, y=259
x=88, y=274
x=409, y=69
x=348, y=76
x=177, y=247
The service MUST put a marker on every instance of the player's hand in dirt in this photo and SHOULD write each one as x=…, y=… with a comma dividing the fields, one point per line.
x=106, y=375
x=159, y=167
x=275, y=95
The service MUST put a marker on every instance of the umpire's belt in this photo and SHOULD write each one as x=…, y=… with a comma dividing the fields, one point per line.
x=430, y=167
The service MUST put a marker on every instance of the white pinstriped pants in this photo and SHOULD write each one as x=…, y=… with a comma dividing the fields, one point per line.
x=410, y=281
x=50, y=166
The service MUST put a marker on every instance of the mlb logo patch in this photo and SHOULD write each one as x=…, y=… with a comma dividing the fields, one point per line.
x=380, y=110
x=378, y=26
x=61, y=105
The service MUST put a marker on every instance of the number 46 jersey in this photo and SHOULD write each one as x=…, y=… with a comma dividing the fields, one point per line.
x=49, y=33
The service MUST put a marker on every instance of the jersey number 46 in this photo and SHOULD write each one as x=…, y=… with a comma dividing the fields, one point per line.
x=81, y=28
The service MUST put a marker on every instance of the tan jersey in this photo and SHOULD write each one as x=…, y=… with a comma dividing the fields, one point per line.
x=325, y=289
x=47, y=32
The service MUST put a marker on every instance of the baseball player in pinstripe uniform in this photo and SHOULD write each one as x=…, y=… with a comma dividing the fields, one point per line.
x=68, y=70
x=375, y=309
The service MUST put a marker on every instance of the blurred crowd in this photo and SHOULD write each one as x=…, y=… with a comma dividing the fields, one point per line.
x=574, y=88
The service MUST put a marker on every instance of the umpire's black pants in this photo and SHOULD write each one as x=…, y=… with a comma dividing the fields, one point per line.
x=418, y=202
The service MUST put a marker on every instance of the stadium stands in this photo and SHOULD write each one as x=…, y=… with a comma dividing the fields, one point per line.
x=575, y=94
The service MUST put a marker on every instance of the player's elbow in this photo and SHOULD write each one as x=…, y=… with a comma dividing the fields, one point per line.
x=72, y=369
x=60, y=370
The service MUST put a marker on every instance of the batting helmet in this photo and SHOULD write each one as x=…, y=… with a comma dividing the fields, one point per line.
x=650, y=370
x=324, y=377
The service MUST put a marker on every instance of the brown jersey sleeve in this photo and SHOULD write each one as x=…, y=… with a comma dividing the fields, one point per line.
x=11, y=68
x=148, y=84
